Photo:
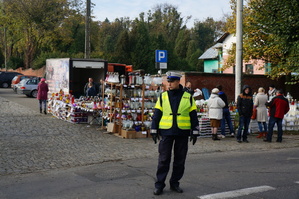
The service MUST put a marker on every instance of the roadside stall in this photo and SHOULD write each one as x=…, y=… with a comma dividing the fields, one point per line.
x=126, y=104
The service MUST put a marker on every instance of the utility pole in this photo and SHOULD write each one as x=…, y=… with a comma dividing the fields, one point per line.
x=239, y=49
x=5, y=50
x=87, y=30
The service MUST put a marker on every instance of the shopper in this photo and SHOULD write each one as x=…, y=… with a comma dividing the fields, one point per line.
x=175, y=119
x=42, y=95
x=93, y=84
x=226, y=115
x=271, y=92
x=262, y=113
x=188, y=88
x=278, y=107
x=244, y=106
x=215, y=106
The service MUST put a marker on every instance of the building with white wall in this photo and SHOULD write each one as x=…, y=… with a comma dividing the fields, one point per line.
x=216, y=56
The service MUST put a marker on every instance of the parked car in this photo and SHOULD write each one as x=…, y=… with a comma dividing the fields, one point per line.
x=17, y=80
x=28, y=87
x=6, y=77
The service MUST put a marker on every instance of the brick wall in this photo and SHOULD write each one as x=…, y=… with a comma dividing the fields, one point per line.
x=211, y=80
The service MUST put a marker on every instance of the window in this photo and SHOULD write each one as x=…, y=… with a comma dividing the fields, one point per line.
x=249, y=69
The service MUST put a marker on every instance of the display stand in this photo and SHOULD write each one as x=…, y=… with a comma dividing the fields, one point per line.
x=129, y=107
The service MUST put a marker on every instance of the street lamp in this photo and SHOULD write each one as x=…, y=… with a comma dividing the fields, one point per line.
x=239, y=48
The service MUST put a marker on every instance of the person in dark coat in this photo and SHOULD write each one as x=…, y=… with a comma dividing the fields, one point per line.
x=278, y=107
x=42, y=94
x=175, y=119
x=244, y=106
x=188, y=88
x=91, y=91
x=95, y=89
x=226, y=115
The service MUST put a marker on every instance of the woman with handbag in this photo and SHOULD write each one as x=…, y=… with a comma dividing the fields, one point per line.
x=262, y=114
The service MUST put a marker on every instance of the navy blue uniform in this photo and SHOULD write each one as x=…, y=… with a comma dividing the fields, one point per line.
x=173, y=137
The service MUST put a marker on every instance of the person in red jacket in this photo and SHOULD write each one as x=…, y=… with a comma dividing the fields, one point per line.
x=42, y=94
x=278, y=107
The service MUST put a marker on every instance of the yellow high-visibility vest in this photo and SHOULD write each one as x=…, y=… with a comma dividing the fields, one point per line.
x=183, y=117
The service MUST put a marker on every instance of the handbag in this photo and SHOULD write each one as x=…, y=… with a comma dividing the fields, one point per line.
x=254, y=112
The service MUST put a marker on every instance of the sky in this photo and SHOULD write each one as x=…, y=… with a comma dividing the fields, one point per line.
x=198, y=9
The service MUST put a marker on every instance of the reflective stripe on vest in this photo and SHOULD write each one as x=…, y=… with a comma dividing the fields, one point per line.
x=183, y=117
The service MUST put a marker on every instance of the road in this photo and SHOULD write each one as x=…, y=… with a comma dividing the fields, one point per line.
x=267, y=175
x=58, y=160
x=29, y=102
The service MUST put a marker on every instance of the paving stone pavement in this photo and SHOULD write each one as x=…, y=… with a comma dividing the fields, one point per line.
x=33, y=142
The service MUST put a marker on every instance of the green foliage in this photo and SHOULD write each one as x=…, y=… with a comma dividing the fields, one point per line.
x=40, y=61
x=271, y=33
x=41, y=29
x=14, y=63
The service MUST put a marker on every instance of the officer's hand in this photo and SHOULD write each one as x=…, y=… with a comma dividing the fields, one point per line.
x=193, y=136
x=155, y=135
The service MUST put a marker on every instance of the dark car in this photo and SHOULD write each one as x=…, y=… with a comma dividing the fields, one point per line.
x=6, y=77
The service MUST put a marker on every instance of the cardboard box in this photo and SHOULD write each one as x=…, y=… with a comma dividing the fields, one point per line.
x=111, y=127
x=128, y=134
x=141, y=134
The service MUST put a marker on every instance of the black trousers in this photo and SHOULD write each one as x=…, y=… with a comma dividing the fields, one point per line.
x=180, y=149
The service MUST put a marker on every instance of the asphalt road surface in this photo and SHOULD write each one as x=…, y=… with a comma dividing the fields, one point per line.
x=246, y=175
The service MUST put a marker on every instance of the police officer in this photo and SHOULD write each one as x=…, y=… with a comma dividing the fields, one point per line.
x=175, y=119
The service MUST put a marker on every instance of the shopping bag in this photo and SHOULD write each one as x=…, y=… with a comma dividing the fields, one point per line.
x=254, y=112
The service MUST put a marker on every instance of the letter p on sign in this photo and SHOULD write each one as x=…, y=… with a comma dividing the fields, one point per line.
x=161, y=56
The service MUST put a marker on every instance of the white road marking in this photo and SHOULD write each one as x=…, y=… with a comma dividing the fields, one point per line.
x=237, y=193
x=297, y=182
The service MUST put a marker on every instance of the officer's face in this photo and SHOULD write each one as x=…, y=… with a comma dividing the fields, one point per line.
x=174, y=85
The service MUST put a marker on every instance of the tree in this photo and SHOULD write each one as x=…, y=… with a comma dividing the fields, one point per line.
x=141, y=49
x=207, y=32
x=122, y=50
x=31, y=24
x=271, y=33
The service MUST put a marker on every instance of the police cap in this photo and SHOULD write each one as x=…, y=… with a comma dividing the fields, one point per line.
x=172, y=76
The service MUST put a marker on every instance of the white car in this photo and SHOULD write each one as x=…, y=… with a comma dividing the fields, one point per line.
x=28, y=87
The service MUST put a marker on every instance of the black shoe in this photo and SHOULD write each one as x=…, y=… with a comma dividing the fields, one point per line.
x=40, y=111
x=246, y=141
x=279, y=141
x=45, y=112
x=239, y=141
x=158, y=191
x=176, y=189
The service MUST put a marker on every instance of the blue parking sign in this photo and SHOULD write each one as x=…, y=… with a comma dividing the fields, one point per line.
x=161, y=56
